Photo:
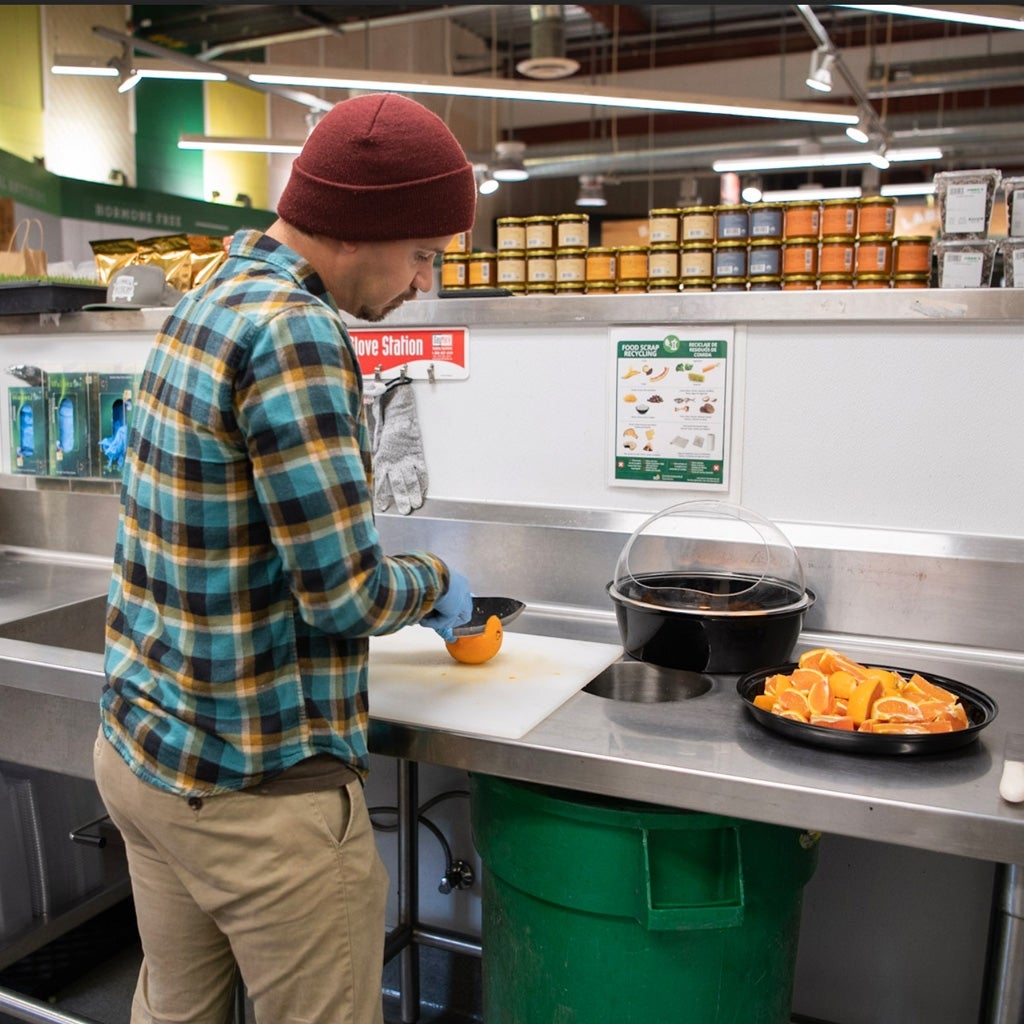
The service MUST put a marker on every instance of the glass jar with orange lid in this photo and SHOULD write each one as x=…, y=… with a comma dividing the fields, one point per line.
x=836, y=255
x=600, y=265
x=913, y=254
x=834, y=282
x=800, y=256
x=483, y=269
x=876, y=215
x=874, y=255
x=802, y=220
x=799, y=283
x=632, y=286
x=631, y=263
x=839, y=218
x=912, y=280
x=862, y=281
x=460, y=242
x=454, y=275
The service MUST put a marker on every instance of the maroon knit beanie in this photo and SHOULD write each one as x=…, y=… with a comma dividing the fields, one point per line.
x=378, y=168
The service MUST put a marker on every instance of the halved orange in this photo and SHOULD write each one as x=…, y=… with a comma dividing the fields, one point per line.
x=812, y=658
x=833, y=661
x=842, y=684
x=795, y=700
x=480, y=647
x=931, y=690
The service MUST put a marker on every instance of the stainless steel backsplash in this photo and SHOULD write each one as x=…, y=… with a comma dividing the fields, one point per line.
x=957, y=590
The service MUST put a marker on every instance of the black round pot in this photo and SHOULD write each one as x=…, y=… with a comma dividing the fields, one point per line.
x=740, y=628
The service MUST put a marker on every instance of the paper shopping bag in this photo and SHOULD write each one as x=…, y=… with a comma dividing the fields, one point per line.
x=21, y=260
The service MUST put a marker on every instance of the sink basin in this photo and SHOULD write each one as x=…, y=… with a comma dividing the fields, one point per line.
x=77, y=626
x=644, y=683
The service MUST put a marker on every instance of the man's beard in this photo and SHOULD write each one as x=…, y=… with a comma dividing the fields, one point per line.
x=374, y=315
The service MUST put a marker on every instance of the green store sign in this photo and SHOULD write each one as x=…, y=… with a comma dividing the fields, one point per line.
x=136, y=208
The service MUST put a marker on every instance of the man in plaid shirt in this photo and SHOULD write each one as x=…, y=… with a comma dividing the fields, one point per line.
x=248, y=578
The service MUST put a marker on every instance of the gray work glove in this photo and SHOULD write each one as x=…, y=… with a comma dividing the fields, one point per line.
x=399, y=467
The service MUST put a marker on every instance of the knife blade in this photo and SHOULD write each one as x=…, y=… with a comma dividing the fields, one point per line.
x=506, y=608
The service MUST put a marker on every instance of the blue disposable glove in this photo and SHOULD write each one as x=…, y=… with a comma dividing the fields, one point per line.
x=453, y=608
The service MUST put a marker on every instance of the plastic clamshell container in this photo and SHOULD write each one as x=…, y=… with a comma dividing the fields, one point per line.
x=1012, y=251
x=965, y=201
x=965, y=262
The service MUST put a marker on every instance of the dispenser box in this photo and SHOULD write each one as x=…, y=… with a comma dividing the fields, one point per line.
x=113, y=397
x=70, y=433
x=29, y=453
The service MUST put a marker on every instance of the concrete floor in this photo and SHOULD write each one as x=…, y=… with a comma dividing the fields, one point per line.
x=104, y=993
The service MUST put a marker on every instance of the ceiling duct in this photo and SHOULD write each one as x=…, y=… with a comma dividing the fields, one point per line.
x=547, y=58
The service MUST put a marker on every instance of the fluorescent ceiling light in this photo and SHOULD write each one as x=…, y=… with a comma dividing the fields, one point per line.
x=557, y=92
x=786, y=195
x=234, y=144
x=92, y=66
x=87, y=66
x=912, y=188
x=939, y=14
x=846, y=159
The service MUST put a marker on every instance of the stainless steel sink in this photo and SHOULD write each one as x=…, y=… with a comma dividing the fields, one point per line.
x=77, y=626
x=644, y=683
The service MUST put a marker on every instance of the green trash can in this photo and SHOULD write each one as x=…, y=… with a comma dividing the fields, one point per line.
x=598, y=911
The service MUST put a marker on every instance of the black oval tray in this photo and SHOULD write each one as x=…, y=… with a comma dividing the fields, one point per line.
x=981, y=710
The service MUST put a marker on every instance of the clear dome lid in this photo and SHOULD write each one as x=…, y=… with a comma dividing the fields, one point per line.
x=710, y=556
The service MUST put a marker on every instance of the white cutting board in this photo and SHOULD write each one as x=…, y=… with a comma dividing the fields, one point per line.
x=415, y=681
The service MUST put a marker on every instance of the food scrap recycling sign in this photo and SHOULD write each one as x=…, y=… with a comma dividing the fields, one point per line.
x=672, y=394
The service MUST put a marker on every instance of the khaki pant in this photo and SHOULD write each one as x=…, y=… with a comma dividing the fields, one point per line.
x=289, y=887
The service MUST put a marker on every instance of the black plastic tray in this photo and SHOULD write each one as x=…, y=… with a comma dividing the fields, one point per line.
x=47, y=297
x=981, y=711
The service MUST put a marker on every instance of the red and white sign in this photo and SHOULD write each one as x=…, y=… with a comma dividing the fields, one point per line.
x=438, y=353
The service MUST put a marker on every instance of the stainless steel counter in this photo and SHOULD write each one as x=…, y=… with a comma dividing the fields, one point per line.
x=705, y=754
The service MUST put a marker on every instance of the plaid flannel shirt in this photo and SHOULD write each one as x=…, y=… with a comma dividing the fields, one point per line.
x=248, y=572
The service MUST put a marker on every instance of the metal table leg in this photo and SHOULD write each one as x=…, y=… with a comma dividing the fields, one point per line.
x=1004, y=1003
x=408, y=887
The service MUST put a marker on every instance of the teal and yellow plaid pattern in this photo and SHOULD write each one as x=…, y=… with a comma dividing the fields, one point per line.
x=248, y=571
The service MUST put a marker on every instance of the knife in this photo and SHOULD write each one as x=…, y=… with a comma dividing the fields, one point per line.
x=506, y=608
x=1011, y=785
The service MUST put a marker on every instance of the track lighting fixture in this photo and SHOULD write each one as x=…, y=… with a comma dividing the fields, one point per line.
x=591, y=191
x=508, y=163
x=820, y=77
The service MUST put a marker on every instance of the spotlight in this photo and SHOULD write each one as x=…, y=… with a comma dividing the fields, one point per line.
x=820, y=77
x=486, y=183
x=591, y=191
x=858, y=132
x=752, y=190
x=508, y=162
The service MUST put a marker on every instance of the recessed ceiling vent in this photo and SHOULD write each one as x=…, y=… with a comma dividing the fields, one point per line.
x=547, y=58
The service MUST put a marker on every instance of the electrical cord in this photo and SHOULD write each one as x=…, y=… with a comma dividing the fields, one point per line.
x=449, y=861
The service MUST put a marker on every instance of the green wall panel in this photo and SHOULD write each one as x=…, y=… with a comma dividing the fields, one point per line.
x=163, y=111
